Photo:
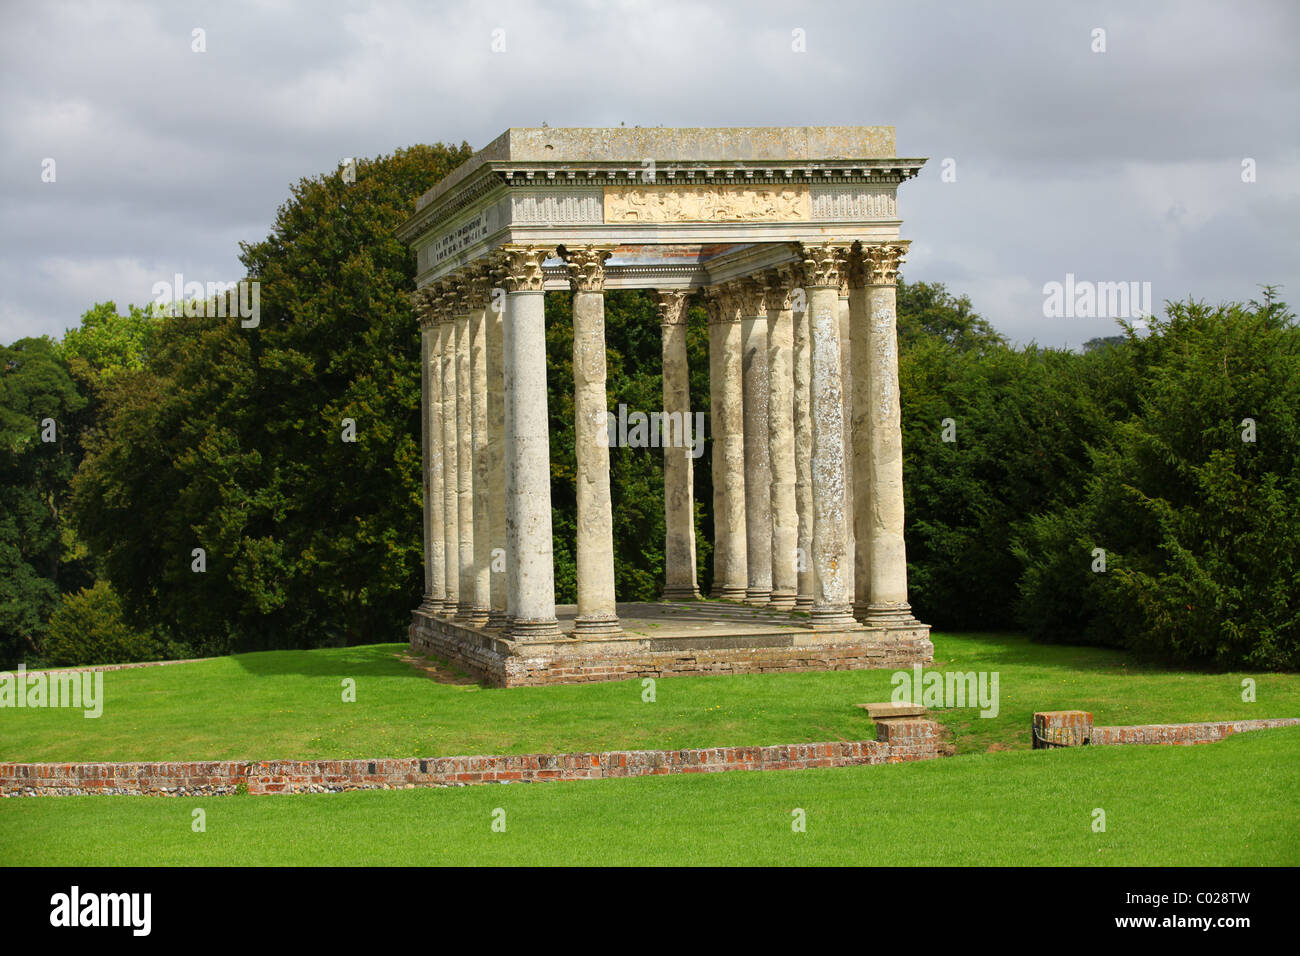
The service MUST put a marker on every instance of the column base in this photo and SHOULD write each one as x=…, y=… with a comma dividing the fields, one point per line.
x=783, y=600
x=884, y=615
x=522, y=630
x=432, y=605
x=597, y=626
x=448, y=609
x=729, y=592
x=759, y=597
x=477, y=616
x=677, y=593
x=803, y=602
x=497, y=620
x=833, y=617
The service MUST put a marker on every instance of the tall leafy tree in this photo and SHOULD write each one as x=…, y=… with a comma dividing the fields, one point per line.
x=231, y=439
x=41, y=419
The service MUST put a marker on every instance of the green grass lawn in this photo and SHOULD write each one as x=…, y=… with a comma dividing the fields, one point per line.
x=1229, y=803
x=288, y=704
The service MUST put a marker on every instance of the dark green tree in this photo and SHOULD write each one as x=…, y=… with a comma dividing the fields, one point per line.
x=39, y=401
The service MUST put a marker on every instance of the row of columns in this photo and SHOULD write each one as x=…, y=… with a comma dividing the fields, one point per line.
x=800, y=421
x=486, y=445
x=807, y=440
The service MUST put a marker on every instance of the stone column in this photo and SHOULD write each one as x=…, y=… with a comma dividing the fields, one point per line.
x=496, y=422
x=597, y=611
x=530, y=561
x=727, y=413
x=758, y=460
x=882, y=512
x=846, y=386
x=679, y=471
x=832, y=588
x=780, y=433
x=803, y=435
x=435, y=575
x=450, y=458
x=464, y=458
x=481, y=571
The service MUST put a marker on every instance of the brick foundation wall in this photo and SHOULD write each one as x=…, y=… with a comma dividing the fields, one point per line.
x=917, y=741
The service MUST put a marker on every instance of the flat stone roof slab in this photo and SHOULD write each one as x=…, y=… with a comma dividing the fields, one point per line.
x=531, y=144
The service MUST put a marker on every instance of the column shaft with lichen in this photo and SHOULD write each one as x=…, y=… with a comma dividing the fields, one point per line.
x=496, y=421
x=431, y=447
x=883, y=514
x=803, y=437
x=725, y=384
x=482, y=570
x=758, y=458
x=832, y=587
x=450, y=458
x=785, y=516
x=597, y=611
x=679, y=472
x=530, y=559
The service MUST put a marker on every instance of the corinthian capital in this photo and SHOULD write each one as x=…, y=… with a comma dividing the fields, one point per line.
x=672, y=306
x=721, y=305
x=778, y=284
x=425, y=302
x=522, y=267
x=586, y=265
x=749, y=297
x=823, y=263
x=882, y=260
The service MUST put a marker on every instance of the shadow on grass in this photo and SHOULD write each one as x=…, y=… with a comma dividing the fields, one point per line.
x=1020, y=650
x=370, y=660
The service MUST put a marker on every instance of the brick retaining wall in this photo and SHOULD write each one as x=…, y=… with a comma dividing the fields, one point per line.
x=899, y=740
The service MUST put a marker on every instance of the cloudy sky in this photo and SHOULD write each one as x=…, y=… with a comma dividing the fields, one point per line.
x=1122, y=165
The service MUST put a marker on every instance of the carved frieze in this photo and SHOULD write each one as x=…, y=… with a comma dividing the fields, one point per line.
x=711, y=203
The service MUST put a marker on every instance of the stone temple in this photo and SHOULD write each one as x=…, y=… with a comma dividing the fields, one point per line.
x=791, y=235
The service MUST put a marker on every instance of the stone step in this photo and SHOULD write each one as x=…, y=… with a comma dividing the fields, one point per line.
x=890, y=709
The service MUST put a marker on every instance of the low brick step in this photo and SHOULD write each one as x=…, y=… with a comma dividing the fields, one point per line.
x=890, y=709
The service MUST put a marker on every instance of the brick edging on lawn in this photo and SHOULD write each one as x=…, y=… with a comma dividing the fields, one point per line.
x=1074, y=728
x=130, y=665
x=1185, y=733
x=897, y=741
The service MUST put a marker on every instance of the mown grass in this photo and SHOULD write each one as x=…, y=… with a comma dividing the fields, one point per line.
x=289, y=704
x=1229, y=803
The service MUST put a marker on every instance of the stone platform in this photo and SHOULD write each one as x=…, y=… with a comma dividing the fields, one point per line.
x=669, y=639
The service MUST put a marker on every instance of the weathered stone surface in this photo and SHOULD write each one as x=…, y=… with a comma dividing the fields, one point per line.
x=435, y=584
x=745, y=642
x=450, y=457
x=496, y=460
x=884, y=515
x=781, y=439
x=464, y=467
x=725, y=358
x=481, y=571
x=758, y=460
x=595, y=521
x=889, y=709
x=740, y=143
x=531, y=586
x=679, y=472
